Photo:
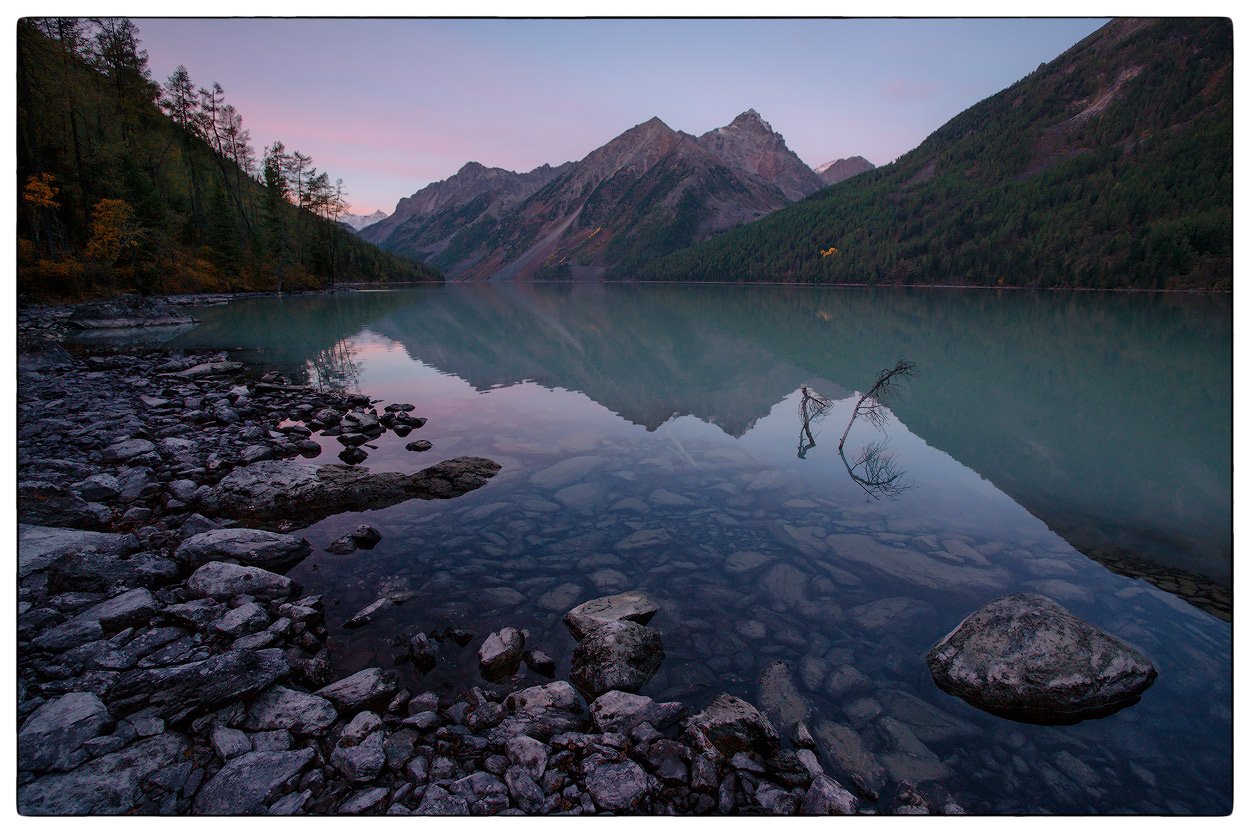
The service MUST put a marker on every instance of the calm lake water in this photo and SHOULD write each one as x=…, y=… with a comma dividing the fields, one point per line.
x=653, y=437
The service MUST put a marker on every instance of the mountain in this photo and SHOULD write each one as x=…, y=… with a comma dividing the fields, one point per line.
x=359, y=221
x=650, y=191
x=749, y=143
x=425, y=224
x=831, y=173
x=1109, y=167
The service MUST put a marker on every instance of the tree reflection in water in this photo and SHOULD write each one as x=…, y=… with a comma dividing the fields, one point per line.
x=335, y=368
x=874, y=468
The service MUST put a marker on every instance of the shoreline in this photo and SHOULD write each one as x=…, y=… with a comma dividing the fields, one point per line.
x=167, y=666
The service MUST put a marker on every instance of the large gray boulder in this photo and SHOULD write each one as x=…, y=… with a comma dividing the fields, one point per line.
x=51, y=738
x=275, y=493
x=1027, y=657
x=370, y=687
x=220, y=580
x=39, y=546
x=181, y=691
x=296, y=711
x=619, y=787
x=730, y=724
x=634, y=606
x=247, y=547
x=108, y=785
x=620, y=655
x=248, y=782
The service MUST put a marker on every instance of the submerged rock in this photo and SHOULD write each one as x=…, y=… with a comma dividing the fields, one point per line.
x=634, y=606
x=283, y=491
x=1027, y=657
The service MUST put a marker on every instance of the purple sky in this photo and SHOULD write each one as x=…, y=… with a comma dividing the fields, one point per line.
x=392, y=105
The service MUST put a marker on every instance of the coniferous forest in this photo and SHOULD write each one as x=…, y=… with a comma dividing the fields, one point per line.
x=127, y=183
x=1107, y=168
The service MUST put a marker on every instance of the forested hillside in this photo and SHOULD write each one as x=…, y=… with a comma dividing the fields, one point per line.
x=127, y=184
x=1108, y=167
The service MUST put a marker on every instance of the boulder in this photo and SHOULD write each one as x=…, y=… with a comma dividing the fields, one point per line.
x=617, y=787
x=620, y=711
x=620, y=655
x=283, y=708
x=729, y=725
x=500, y=653
x=275, y=492
x=40, y=546
x=219, y=580
x=634, y=606
x=112, y=784
x=370, y=687
x=246, y=783
x=181, y=691
x=51, y=737
x=246, y=547
x=1027, y=657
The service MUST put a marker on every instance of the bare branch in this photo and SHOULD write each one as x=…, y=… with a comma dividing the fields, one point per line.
x=872, y=405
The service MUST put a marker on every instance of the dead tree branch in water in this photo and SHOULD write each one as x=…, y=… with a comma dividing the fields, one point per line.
x=871, y=406
x=876, y=471
x=811, y=409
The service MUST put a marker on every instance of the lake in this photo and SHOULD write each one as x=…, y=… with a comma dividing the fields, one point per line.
x=654, y=438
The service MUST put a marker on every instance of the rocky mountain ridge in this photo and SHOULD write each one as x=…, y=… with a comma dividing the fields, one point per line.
x=834, y=172
x=650, y=191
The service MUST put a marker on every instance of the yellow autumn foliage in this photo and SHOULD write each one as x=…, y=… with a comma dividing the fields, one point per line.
x=114, y=230
x=40, y=192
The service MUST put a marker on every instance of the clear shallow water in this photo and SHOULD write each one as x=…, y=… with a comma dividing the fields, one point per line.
x=649, y=438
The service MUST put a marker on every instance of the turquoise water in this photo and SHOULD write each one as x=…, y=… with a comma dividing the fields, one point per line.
x=652, y=437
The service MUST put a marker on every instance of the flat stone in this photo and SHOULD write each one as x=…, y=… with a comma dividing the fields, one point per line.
x=826, y=797
x=363, y=800
x=621, y=711
x=364, y=689
x=1026, y=656
x=180, y=691
x=229, y=743
x=39, y=546
x=780, y=698
x=112, y=784
x=275, y=492
x=634, y=606
x=566, y=472
x=844, y=750
x=246, y=783
x=220, y=580
x=296, y=711
x=50, y=738
x=247, y=547
x=244, y=619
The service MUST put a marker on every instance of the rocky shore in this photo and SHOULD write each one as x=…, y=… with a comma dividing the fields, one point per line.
x=168, y=666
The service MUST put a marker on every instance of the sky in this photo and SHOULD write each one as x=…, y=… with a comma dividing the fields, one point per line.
x=390, y=106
